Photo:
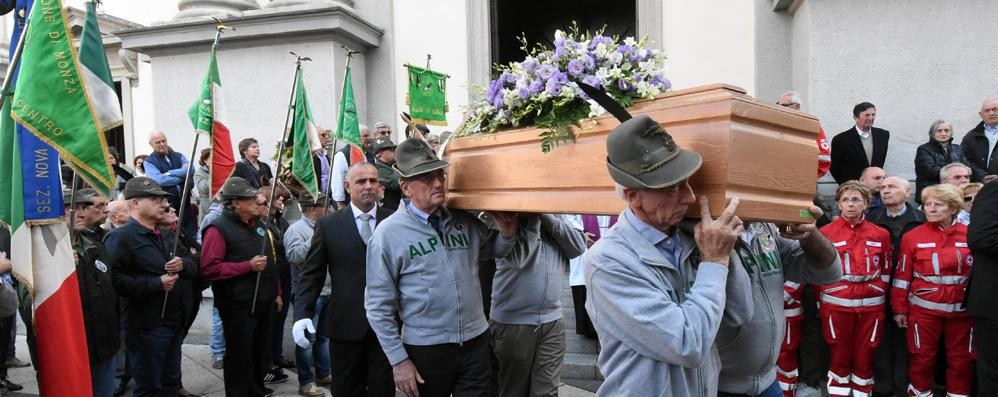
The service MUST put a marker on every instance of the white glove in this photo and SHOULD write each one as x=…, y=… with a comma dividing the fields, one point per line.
x=298, y=332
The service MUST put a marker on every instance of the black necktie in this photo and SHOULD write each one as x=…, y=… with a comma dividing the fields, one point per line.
x=435, y=222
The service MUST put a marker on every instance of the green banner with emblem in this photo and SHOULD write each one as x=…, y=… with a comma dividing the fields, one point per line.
x=427, y=96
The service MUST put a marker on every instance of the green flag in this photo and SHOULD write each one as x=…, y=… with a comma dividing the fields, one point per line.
x=348, y=126
x=52, y=101
x=11, y=181
x=97, y=74
x=427, y=96
x=304, y=140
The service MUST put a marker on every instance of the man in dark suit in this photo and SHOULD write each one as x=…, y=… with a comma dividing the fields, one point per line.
x=982, y=237
x=339, y=248
x=862, y=146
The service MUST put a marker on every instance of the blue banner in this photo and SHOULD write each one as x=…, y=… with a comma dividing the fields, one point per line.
x=39, y=161
x=42, y=177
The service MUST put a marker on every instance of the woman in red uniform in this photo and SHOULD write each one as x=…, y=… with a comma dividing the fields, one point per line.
x=927, y=297
x=852, y=310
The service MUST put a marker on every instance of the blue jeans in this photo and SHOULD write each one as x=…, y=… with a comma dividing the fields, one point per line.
x=102, y=376
x=154, y=355
x=217, y=336
x=319, y=349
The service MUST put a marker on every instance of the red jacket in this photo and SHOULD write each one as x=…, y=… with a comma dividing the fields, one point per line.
x=824, y=154
x=793, y=293
x=932, y=270
x=865, y=250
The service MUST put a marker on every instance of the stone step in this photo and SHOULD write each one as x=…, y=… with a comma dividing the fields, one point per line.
x=580, y=366
x=575, y=343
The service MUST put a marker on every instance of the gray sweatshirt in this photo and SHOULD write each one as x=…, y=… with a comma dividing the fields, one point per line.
x=528, y=291
x=749, y=351
x=432, y=285
x=657, y=320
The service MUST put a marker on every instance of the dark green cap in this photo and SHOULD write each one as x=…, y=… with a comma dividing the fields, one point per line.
x=383, y=144
x=641, y=155
x=85, y=196
x=142, y=186
x=237, y=188
x=414, y=157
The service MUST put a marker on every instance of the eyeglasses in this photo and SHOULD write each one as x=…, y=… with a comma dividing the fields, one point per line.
x=261, y=203
x=968, y=199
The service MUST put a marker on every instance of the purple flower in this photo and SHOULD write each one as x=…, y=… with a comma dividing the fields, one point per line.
x=523, y=92
x=536, y=86
x=559, y=51
x=495, y=88
x=545, y=71
x=555, y=83
x=588, y=61
x=529, y=65
x=624, y=86
x=575, y=68
x=660, y=81
x=497, y=102
x=593, y=81
x=599, y=39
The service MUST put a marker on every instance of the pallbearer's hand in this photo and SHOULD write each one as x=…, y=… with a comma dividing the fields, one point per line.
x=716, y=237
x=175, y=265
x=407, y=378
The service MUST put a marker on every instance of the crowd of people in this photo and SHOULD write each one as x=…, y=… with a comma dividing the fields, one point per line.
x=390, y=290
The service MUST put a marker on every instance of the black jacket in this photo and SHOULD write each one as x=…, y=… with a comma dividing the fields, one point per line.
x=975, y=152
x=338, y=250
x=982, y=238
x=138, y=259
x=849, y=158
x=929, y=159
x=97, y=297
x=879, y=218
x=255, y=178
x=243, y=242
x=390, y=180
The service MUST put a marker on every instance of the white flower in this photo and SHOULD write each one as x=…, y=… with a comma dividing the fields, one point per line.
x=602, y=74
x=595, y=110
x=630, y=41
x=647, y=90
x=558, y=34
x=648, y=67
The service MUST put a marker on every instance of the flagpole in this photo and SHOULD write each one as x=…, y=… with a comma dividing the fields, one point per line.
x=15, y=60
x=185, y=192
x=332, y=149
x=280, y=162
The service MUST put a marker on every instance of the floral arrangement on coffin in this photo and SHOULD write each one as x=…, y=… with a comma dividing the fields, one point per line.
x=543, y=90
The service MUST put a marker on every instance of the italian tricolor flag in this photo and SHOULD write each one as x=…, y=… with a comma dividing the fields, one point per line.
x=208, y=116
x=97, y=74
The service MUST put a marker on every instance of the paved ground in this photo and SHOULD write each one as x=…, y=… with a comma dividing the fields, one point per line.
x=199, y=377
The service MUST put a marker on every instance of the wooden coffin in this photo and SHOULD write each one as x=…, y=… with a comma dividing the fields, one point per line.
x=764, y=154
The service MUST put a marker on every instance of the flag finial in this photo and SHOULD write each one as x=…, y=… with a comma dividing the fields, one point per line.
x=220, y=27
x=298, y=58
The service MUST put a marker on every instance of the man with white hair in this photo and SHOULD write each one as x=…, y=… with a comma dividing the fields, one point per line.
x=955, y=174
x=979, y=143
x=168, y=168
x=117, y=214
x=890, y=367
x=341, y=162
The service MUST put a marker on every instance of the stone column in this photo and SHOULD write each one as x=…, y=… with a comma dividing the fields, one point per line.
x=285, y=3
x=216, y=8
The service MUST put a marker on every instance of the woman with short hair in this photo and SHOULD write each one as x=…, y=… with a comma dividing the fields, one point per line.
x=929, y=287
x=852, y=310
x=935, y=154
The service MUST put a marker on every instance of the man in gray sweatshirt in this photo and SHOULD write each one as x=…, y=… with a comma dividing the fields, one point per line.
x=657, y=293
x=749, y=351
x=528, y=332
x=422, y=269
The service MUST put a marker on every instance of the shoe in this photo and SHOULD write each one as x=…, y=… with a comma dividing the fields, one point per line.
x=268, y=392
x=218, y=362
x=7, y=384
x=184, y=393
x=324, y=381
x=310, y=389
x=282, y=363
x=803, y=390
x=15, y=363
x=275, y=376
